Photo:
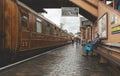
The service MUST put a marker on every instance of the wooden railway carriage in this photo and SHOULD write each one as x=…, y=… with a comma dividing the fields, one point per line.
x=22, y=31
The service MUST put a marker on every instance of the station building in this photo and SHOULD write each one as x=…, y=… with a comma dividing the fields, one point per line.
x=107, y=25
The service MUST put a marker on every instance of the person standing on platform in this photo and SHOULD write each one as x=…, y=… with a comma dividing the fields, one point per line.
x=84, y=41
x=73, y=39
x=78, y=39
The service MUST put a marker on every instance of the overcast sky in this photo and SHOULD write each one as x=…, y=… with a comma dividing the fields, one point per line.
x=71, y=24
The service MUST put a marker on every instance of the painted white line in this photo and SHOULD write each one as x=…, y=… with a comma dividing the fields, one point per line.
x=2, y=68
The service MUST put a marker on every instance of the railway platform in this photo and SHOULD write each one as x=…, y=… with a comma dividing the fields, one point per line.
x=63, y=61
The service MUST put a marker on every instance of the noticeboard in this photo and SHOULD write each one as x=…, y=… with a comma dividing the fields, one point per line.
x=116, y=29
x=102, y=26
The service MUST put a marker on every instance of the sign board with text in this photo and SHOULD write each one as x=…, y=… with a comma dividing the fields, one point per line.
x=70, y=11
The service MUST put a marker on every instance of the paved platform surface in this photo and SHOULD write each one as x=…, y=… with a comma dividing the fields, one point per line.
x=64, y=61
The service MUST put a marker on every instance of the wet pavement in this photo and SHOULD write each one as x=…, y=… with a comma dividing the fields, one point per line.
x=64, y=61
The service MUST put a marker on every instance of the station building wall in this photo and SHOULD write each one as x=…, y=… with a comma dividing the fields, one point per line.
x=113, y=23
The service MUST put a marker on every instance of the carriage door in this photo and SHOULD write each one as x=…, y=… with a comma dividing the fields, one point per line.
x=2, y=35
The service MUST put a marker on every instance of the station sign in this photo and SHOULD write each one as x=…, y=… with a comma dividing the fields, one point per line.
x=86, y=23
x=70, y=11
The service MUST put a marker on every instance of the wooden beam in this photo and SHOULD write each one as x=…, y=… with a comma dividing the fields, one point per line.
x=86, y=6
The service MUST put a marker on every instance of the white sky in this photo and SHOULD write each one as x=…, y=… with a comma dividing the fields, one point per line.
x=71, y=24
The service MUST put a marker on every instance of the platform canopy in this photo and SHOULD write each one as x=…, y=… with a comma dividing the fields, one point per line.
x=39, y=5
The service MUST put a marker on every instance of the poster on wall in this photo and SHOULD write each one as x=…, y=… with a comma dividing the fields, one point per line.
x=116, y=29
x=114, y=19
x=102, y=26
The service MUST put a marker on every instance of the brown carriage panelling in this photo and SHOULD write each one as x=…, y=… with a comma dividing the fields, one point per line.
x=51, y=33
x=19, y=37
x=30, y=22
x=1, y=15
x=14, y=25
x=11, y=24
x=44, y=43
x=38, y=43
x=1, y=23
x=25, y=40
x=8, y=23
x=41, y=41
x=25, y=35
x=33, y=21
x=44, y=26
x=25, y=44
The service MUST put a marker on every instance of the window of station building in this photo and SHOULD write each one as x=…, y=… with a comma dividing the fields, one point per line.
x=38, y=26
x=117, y=3
x=24, y=20
x=109, y=2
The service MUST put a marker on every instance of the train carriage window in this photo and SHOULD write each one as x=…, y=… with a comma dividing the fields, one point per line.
x=39, y=26
x=48, y=29
x=55, y=31
x=24, y=20
x=62, y=34
x=59, y=33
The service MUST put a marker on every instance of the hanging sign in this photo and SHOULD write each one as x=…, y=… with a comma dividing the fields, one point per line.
x=70, y=11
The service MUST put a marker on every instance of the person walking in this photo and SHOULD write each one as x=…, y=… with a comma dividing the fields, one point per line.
x=73, y=39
